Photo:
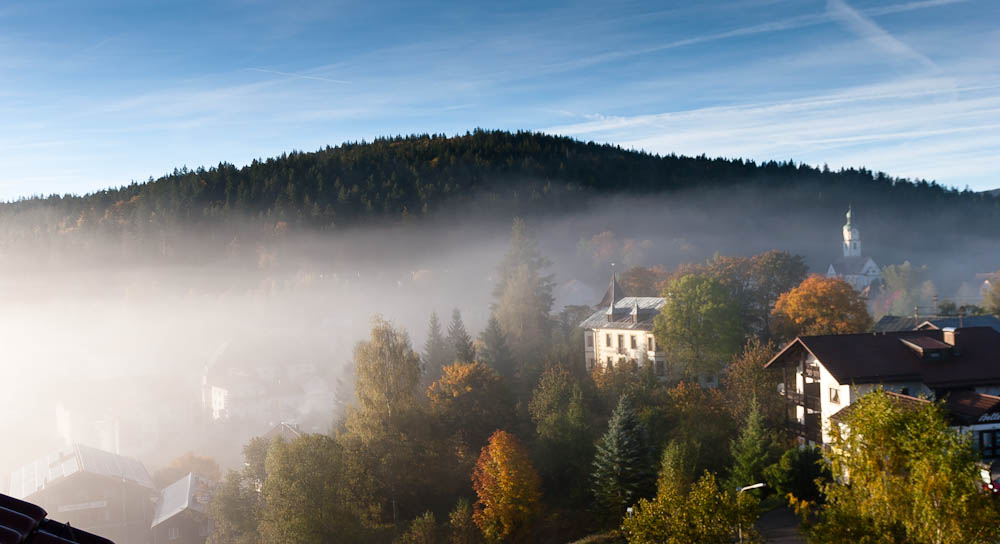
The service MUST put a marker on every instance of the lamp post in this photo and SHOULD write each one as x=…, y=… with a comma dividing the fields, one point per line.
x=739, y=491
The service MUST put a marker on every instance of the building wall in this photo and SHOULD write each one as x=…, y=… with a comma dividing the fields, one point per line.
x=188, y=527
x=120, y=511
x=597, y=351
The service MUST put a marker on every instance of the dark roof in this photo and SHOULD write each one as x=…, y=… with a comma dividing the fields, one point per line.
x=893, y=323
x=614, y=292
x=967, y=407
x=850, y=265
x=25, y=523
x=896, y=323
x=907, y=402
x=882, y=357
x=192, y=492
x=648, y=309
x=956, y=322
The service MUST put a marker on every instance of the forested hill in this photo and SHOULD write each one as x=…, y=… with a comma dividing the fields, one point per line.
x=406, y=177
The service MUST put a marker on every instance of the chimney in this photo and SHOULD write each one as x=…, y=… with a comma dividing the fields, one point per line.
x=950, y=336
x=635, y=312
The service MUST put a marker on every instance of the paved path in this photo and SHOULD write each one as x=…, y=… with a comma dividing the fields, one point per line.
x=780, y=526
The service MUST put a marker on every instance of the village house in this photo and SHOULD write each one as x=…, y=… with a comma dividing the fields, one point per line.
x=859, y=271
x=621, y=330
x=181, y=515
x=823, y=375
x=98, y=491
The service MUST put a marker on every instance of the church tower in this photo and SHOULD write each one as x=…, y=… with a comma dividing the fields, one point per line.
x=852, y=238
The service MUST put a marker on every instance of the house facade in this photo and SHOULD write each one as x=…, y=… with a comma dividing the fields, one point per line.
x=98, y=491
x=823, y=375
x=854, y=268
x=621, y=331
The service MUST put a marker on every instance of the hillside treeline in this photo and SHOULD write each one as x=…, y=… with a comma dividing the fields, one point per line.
x=429, y=175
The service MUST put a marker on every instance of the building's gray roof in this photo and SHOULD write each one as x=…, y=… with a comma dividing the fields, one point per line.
x=894, y=323
x=850, y=265
x=78, y=458
x=191, y=492
x=649, y=308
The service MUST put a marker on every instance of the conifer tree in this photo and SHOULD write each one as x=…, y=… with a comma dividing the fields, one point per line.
x=623, y=471
x=523, y=295
x=494, y=351
x=752, y=451
x=435, y=351
x=459, y=342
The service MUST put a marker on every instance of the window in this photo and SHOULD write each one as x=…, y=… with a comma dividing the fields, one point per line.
x=835, y=395
x=610, y=364
x=661, y=368
x=607, y=340
x=173, y=533
x=649, y=342
x=590, y=341
x=904, y=391
x=633, y=341
x=621, y=341
x=988, y=444
x=590, y=363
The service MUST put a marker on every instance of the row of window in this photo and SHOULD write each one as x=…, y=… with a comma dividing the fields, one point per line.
x=659, y=366
x=621, y=341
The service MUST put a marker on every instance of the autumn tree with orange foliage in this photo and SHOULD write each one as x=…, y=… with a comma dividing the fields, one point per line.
x=472, y=400
x=820, y=305
x=508, y=487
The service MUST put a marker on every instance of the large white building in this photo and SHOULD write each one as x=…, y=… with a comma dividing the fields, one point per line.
x=823, y=375
x=621, y=330
x=861, y=272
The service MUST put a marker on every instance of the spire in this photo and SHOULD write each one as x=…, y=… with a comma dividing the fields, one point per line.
x=852, y=237
x=614, y=292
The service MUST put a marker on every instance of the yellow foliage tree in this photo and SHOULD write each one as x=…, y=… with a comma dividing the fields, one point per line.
x=473, y=401
x=820, y=305
x=508, y=488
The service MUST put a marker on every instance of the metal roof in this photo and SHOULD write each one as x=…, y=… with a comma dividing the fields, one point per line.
x=893, y=323
x=649, y=308
x=52, y=468
x=192, y=492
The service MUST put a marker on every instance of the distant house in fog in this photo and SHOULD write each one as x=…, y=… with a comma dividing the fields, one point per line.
x=181, y=515
x=621, y=330
x=98, y=491
x=859, y=271
x=266, y=383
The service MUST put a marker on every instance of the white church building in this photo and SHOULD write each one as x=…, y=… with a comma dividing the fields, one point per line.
x=859, y=271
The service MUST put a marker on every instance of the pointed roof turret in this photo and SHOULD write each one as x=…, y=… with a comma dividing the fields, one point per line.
x=613, y=294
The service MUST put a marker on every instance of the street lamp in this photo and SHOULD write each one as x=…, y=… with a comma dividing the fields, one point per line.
x=739, y=491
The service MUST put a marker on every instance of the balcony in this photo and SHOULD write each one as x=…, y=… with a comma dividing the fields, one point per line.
x=794, y=397
x=809, y=432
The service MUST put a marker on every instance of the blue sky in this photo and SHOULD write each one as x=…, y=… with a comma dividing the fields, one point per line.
x=96, y=94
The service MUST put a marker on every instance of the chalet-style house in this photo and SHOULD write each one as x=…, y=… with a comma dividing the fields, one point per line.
x=98, y=491
x=621, y=330
x=823, y=375
x=861, y=272
x=181, y=515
